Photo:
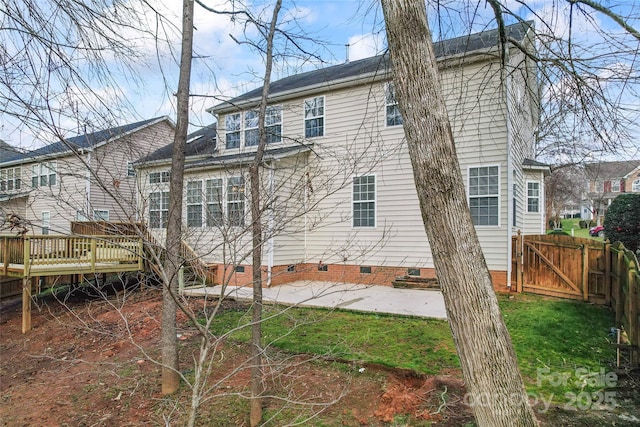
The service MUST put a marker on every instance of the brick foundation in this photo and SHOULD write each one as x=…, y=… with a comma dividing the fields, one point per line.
x=340, y=273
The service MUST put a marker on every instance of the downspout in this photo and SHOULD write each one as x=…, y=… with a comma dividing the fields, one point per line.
x=87, y=185
x=270, y=242
x=510, y=170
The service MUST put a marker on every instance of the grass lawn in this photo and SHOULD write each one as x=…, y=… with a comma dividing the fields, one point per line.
x=572, y=226
x=561, y=345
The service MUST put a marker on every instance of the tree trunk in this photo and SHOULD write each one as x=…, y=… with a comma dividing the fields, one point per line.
x=256, y=231
x=173, y=259
x=483, y=343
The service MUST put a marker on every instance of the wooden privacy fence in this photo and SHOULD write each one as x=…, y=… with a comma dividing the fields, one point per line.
x=583, y=269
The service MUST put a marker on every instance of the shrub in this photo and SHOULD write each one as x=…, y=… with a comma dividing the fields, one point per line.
x=583, y=224
x=559, y=232
x=622, y=222
x=555, y=222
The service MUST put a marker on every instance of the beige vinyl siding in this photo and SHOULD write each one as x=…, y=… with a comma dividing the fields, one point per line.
x=111, y=187
x=62, y=200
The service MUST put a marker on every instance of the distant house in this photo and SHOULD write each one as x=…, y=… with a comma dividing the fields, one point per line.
x=86, y=177
x=339, y=201
x=607, y=180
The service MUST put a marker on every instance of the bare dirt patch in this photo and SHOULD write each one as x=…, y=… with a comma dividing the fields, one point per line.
x=89, y=362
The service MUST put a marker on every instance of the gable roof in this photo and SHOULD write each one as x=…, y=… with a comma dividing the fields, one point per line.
x=89, y=140
x=611, y=170
x=199, y=143
x=377, y=65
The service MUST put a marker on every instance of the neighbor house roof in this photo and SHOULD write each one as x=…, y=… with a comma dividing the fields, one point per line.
x=375, y=65
x=199, y=143
x=611, y=170
x=9, y=153
x=88, y=140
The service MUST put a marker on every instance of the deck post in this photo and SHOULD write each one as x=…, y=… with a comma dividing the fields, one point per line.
x=26, y=304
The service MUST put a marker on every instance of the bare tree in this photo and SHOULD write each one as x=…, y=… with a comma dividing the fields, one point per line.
x=173, y=260
x=488, y=360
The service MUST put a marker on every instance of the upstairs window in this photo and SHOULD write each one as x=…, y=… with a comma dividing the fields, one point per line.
x=273, y=124
x=533, y=197
x=364, y=201
x=44, y=174
x=233, y=124
x=615, y=186
x=194, y=204
x=251, y=136
x=159, y=177
x=635, y=187
x=393, y=111
x=314, y=117
x=10, y=179
x=101, y=214
x=235, y=201
x=484, y=194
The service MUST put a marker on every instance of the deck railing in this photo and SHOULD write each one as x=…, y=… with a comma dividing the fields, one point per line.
x=31, y=251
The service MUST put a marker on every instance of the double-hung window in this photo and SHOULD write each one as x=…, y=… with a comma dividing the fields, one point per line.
x=233, y=125
x=251, y=136
x=533, y=197
x=615, y=186
x=314, y=117
x=10, y=179
x=635, y=187
x=214, y=202
x=194, y=204
x=158, y=209
x=101, y=214
x=392, y=110
x=484, y=194
x=364, y=201
x=46, y=222
x=44, y=174
x=273, y=124
x=235, y=201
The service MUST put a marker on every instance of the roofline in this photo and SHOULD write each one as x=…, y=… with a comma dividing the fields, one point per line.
x=35, y=159
x=166, y=160
x=478, y=55
x=631, y=172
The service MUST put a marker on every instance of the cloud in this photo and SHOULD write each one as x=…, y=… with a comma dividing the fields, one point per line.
x=365, y=45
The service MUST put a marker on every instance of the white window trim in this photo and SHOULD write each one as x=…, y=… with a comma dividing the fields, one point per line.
x=386, y=105
x=220, y=202
x=39, y=170
x=499, y=195
x=164, y=176
x=160, y=210
x=240, y=130
x=200, y=203
x=539, y=197
x=45, y=223
x=324, y=117
x=16, y=177
x=243, y=201
x=375, y=203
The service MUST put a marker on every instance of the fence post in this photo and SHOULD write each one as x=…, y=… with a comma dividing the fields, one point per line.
x=519, y=255
x=585, y=272
x=607, y=272
x=619, y=288
x=632, y=314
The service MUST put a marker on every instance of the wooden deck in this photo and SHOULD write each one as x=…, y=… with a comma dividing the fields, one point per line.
x=30, y=257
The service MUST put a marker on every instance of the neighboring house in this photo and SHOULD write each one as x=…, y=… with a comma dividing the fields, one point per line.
x=87, y=177
x=607, y=180
x=338, y=196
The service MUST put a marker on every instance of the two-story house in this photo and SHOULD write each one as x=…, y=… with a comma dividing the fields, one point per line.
x=338, y=198
x=86, y=177
x=606, y=181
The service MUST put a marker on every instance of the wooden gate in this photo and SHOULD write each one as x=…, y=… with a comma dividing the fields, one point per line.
x=561, y=266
